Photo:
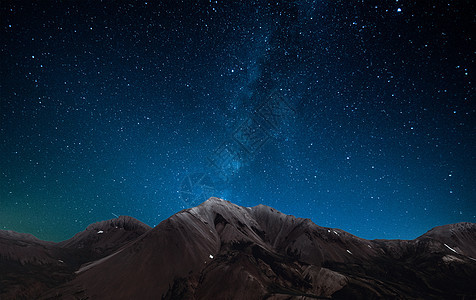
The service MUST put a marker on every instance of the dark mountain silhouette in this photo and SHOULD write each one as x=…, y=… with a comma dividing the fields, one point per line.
x=219, y=250
x=103, y=238
x=29, y=266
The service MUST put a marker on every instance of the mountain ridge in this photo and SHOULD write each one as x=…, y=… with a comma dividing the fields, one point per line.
x=270, y=255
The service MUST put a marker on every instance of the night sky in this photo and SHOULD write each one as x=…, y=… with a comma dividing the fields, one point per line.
x=358, y=115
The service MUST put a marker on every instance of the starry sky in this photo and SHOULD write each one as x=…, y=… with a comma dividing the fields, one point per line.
x=358, y=115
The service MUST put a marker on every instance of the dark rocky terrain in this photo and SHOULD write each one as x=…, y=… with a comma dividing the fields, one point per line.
x=219, y=250
x=29, y=266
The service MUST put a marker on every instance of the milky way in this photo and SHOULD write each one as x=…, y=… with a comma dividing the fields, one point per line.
x=356, y=114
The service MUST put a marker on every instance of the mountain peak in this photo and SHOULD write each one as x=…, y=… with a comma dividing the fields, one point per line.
x=19, y=236
x=124, y=222
x=458, y=237
x=216, y=199
x=451, y=228
x=212, y=201
x=106, y=236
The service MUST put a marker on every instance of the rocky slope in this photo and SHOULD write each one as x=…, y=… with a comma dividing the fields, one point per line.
x=219, y=250
x=29, y=266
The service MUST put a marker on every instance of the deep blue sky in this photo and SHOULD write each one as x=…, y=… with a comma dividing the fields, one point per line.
x=358, y=115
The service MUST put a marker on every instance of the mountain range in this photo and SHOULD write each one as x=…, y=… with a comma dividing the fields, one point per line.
x=219, y=250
